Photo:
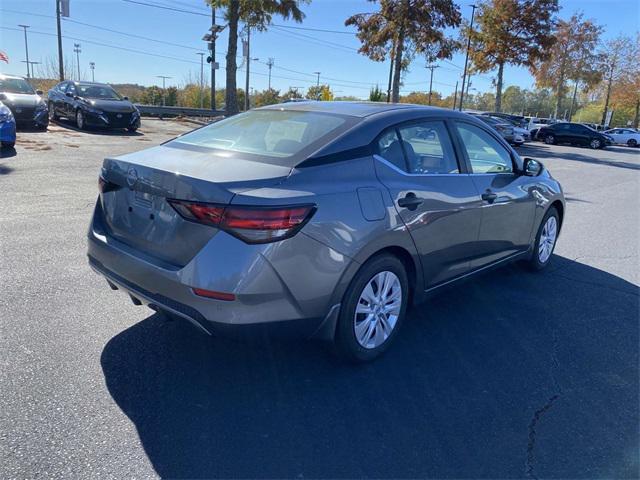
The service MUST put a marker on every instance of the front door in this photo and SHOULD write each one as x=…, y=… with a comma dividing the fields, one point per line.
x=508, y=201
x=436, y=198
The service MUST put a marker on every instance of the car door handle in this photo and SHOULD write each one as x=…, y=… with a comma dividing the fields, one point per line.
x=489, y=196
x=410, y=201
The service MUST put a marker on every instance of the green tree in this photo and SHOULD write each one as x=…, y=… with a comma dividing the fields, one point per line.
x=171, y=96
x=257, y=14
x=291, y=94
x=269, y=96
x=576, y=39
x=512, y=32
x=315, y=92
x=402, y=28
x=376, y=95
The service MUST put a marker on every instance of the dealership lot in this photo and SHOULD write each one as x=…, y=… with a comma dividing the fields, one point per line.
x=511, y=375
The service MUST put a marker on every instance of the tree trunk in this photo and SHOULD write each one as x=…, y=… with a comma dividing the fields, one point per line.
x=607, y=97
x=573, y=100
x=231, y=100
x=559, y=93
x=397, y=67
x=636, y=118
x=499, y=88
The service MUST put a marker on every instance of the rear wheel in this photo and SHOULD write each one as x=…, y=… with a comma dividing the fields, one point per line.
x=132, y=129
x=8, y=144
x=545, y=240
x=372, y=309
x=632, y=142
x=52, y=112
x=595, y=144
x=549, y=139
x=80, y=122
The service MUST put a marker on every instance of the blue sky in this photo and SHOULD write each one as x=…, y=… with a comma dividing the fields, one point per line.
x=297, y=53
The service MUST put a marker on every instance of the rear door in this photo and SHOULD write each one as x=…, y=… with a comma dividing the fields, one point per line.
x=508, y=206
x=68, y=106
x=433, y=194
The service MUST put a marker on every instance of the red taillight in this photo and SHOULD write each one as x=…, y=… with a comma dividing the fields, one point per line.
x=105, y=186
x=101, y=184
x=251, y=224
x=201, y=292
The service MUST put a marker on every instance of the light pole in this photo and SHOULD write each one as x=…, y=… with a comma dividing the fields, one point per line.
x=92, y=66
x=466, y=58
x=432, y=68
x=76, y=48
x=26, y=47
x=210, y=38
x=246, y=80
x=163, y=77
x=318, y=79
x=201, y=79
x=270, y=63
x=31, y=64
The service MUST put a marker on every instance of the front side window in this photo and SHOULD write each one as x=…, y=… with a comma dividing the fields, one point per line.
x=485, y=153
x=71, y=88
x=428, y=148
x=276, y=134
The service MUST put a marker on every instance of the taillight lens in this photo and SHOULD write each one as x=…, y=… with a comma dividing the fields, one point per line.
x=104, y=186
x=250, y=224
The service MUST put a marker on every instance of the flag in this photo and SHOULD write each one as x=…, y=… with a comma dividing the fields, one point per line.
x=3, y=57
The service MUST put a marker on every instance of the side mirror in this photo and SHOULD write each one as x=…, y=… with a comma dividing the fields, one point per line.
x=532, y=168
x=3, y=96
x=39, y=92
x=125, y=98
x=69, y=94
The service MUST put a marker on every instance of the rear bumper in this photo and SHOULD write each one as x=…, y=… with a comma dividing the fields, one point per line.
x=272, y=294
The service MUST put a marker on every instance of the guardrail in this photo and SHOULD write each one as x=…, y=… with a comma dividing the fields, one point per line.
x=159, y=111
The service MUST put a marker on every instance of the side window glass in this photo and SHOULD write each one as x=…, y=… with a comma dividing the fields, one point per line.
x=485, y=153
x=390, y=149
x=428, y=148
x=71, y=88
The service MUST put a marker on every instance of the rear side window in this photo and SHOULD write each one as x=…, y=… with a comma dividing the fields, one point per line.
x=428, y=148
x=389, y=148
x=485, y=153
x=268, y=133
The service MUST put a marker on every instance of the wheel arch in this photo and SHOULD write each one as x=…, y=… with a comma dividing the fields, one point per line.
x=559, y=206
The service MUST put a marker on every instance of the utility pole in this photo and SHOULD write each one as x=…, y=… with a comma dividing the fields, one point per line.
x=77, y=50
x=432, y=68
x=163, y=77
x=466, y=58
x=318, y=79
x=201, y=79
x=65, y=13
x=210, y=38
x=26, y=47
x=455, y=95
x=92, y=66
x=31, y=64
x=248, y=60
x=270, y=63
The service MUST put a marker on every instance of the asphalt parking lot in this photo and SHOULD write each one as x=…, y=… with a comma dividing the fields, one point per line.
x=512, y=375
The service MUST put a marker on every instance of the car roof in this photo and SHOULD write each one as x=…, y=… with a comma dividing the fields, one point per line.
x=5, y=76
x=98, y=84
x=354, y=109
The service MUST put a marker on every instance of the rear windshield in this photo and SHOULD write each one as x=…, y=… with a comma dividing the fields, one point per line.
x=277, y=136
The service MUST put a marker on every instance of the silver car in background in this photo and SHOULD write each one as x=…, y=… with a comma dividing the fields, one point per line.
x=324, y=218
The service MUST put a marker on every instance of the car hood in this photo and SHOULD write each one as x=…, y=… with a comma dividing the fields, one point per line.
x=21, y=100
x=117, y=106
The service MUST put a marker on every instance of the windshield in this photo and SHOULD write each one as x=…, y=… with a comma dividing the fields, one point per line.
x=104, y=92
x=269, y=133
x=15, y=85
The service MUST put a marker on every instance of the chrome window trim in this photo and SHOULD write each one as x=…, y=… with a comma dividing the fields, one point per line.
x=406, y=174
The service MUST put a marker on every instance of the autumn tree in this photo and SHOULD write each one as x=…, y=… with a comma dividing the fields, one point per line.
x=319, y=92
x=257, y=14
x=402, y=28
x=291, y=94
x=269, y=96
x=511, y=32
x=615, y=66
x=575, y=38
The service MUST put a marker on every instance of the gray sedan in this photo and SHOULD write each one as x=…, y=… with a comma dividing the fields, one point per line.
x=324, y=218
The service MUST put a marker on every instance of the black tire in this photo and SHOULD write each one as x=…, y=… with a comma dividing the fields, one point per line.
x=346, y=343
x=549, y=139
x=132, y=129
x=595, y=144
x=534, y=263
x=80, y=123
x=8, y=144
x=632, y=142
x=52, y=112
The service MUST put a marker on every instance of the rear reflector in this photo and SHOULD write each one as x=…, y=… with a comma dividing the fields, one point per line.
x=229, y=297
x=250, y=224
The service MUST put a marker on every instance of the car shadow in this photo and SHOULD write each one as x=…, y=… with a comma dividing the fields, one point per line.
x=542, y=152
x=462, y=393
x=118, y=132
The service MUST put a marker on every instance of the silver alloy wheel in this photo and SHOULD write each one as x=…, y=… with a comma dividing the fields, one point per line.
x=549, y=139
x=547, y=239
x=52, y=113
x=80, y=119
x=378, y=309
x=595, y=143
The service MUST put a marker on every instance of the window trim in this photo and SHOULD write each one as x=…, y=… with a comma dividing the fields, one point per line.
x=462, y=166
x=458, y=139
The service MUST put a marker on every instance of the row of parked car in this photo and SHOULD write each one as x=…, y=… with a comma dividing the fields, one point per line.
x=88, y=104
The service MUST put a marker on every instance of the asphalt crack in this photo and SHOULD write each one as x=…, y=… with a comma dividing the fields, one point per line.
x=529, y=464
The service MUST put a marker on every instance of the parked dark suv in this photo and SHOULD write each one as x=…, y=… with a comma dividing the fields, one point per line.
x=574, y=134
x=92, y=105
x=25, y=103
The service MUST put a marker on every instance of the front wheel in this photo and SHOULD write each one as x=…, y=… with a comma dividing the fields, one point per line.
x=372, y=309
x=80, y=122
x=8, y=144
x=545, y=240
x=595, y=144
x=549, y=139
x=52, y=112
x=132, y=129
